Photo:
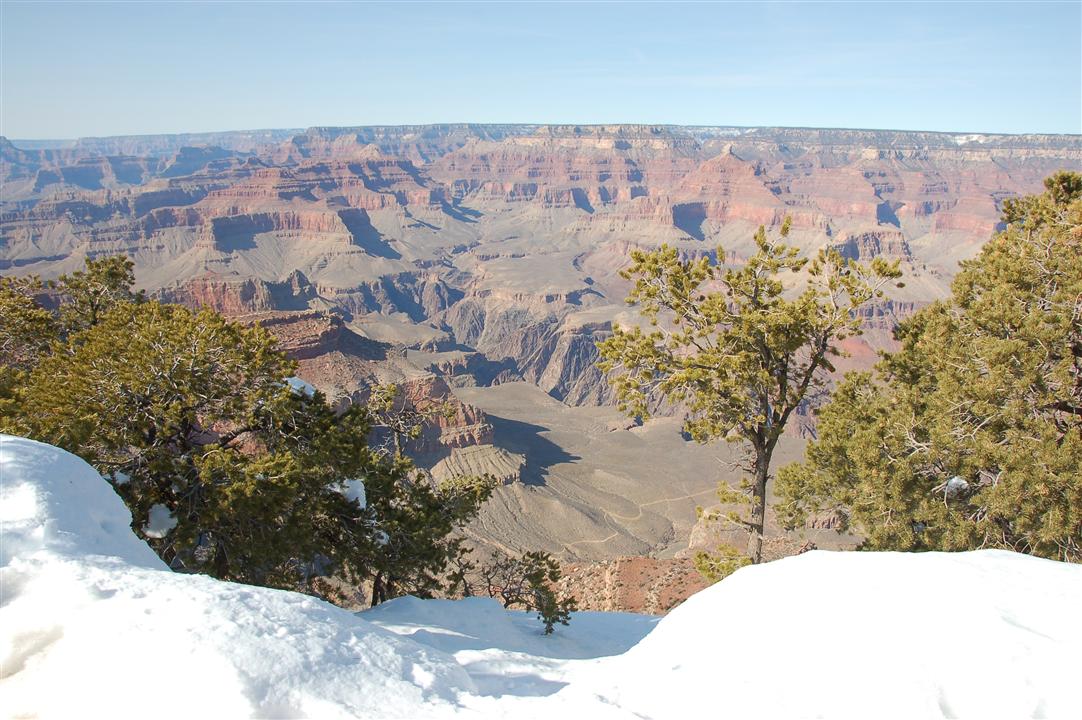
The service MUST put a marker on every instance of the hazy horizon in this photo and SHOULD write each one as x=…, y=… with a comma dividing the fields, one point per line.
x=632, y=123
x=73, y=70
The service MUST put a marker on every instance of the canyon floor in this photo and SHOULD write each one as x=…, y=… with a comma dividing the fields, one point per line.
x=594, y=484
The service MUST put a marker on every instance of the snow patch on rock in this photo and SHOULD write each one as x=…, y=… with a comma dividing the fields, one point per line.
x=300, y=387
x=354, y=490
x=160, y=521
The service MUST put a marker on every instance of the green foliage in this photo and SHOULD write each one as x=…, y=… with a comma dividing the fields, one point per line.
x=27, y=331
x=90, y=293
x=188, y=411
x=190, y=417
x=720, y=564
x=26, y=328
x=970, y=436
x=416, y=528
x=526, y=582
x=735, y=349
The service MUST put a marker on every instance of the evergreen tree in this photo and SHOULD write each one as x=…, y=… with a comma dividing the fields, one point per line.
x=190, y=417
x=416, y=528
x=26, y=328
x=728, y=344
x=27, y=331
x=87, y=294
x=527, y=582
x=227, y=468
x=970, y=436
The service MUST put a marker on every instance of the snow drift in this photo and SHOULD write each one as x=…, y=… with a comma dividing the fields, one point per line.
x=987, y=634
x=92, y=624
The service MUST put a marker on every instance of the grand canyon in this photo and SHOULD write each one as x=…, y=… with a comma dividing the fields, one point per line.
x=478, y=265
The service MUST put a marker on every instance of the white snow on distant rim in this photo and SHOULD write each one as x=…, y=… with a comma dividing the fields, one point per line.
x=92, y=624
x=972, y=138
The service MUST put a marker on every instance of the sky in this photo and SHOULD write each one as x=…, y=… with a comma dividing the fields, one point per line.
x=90, y=69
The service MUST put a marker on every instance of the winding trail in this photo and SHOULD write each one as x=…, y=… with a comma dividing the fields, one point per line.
x=657, y=502
x=630, y=518
x=591, y=542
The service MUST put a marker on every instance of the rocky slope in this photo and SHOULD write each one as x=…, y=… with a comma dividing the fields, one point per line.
x=346, y=367
x=631, y=584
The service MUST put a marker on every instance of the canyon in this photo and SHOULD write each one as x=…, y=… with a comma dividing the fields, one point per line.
x=477, y=266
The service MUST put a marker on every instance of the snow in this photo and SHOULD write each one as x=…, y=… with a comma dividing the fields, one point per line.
x=972, y=138
x=300, y=387
x=955, y=486
x=160, y=522
x=89, y=608
x=52, y=502
x=354, y=490
x=93, y=624
x=988, y=634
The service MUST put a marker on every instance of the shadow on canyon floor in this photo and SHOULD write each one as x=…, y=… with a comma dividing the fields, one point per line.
x=526, y=439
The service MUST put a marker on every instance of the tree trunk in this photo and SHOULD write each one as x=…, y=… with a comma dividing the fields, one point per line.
x=221, y=562
x=377, y=590
x=758, y=508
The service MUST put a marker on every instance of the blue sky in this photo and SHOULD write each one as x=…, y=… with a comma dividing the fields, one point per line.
x=82, y=69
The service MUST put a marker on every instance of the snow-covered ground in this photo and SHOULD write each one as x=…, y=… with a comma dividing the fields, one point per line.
x=93, y=625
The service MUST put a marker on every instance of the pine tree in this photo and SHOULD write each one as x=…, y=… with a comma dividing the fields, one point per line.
x=416, y=528
x=970, y=436
x=89, y=293
x=190, y=416
x=26, y=328
x=227, y=469
x=743, y=357
x=27, y=331
x=527, y=582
